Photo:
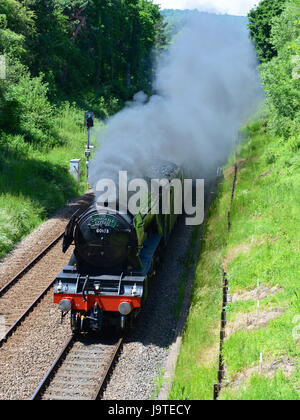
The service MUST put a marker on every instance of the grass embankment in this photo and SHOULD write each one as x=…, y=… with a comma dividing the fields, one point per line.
x=262, y=246
x=35, y=181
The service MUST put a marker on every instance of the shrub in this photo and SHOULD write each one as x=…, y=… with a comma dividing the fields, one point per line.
x=281, y=86
x=29, y=110
x=260, y=25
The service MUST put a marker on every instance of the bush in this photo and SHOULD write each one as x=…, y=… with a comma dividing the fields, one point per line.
x=24, y=106
x=260, y=24
x=29, y=110
x=281, y=86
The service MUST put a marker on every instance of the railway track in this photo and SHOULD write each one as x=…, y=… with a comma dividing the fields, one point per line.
x=21, y=294
x=81, y=369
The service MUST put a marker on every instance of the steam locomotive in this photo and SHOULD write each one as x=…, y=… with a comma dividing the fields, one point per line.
x=106, y=281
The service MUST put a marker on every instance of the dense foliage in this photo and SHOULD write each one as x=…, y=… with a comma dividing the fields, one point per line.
x=260, y=24
x=94, y=52
x=63, y=57
x=280, y=75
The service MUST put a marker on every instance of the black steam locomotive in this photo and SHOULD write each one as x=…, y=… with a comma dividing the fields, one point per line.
x=106, y=280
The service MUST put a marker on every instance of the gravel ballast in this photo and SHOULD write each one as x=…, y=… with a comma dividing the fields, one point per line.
x=29, y=353
x=146, y=349
x=34, y=243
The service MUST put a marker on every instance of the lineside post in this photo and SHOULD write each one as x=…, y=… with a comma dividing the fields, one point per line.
x=89, y=123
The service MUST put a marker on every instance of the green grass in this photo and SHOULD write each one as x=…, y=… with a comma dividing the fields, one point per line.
x=35, y=182
x=198, y=360
x=186, y=262
x=158, y=383
x=260, y=388
x=264, y=245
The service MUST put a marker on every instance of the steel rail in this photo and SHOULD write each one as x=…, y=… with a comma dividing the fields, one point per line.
x=19, y=321
x=51, y=372
x=103, y=380
x=59, y=360
x=30, y=265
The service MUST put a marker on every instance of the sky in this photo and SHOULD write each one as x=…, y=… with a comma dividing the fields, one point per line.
x=232, y=7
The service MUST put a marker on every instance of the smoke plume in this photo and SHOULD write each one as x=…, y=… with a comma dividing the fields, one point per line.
x=207, y=87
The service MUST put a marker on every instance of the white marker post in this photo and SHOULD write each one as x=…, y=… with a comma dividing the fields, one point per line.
x=2, y=67
x=75, y=168
x=261, y=362
x=258, y=302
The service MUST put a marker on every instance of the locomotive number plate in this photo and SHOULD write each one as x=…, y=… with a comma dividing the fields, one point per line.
x=101, y=230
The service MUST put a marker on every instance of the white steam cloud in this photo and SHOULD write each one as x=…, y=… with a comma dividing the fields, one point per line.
x=207, y=87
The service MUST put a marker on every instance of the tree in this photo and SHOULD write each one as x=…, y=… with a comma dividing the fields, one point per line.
x=281, y=85
x=94, y=52
x=16, y=23
x=260, y=24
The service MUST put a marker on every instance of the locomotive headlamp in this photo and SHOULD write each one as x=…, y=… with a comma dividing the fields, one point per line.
x=124, y=308
x=64, y=305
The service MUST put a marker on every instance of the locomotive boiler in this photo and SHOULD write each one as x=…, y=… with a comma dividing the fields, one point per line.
x=114, y=258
